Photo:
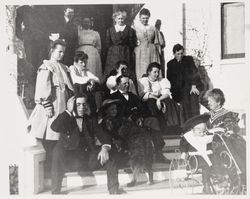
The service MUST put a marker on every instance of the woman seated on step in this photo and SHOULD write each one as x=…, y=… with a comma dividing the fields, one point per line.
x=84, y=81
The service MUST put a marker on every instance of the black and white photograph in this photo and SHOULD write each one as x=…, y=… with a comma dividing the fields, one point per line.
x=126, y=99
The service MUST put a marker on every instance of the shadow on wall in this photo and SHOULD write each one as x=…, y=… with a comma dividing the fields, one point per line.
x=205, y=79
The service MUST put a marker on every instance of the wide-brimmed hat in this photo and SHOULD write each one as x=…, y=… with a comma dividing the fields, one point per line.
x=107, y=103
x=192, y=122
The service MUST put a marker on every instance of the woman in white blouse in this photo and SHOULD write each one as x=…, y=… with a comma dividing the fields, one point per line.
x=155, y=92
x=85, y=81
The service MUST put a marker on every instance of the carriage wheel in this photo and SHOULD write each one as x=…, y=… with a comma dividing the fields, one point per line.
x=227, y=181
x=181, y=178
x=226, y=159
x=193, y=163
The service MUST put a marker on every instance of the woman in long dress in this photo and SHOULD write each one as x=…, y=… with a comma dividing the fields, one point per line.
x=90, y=43
x=120, y=41
x=53, y=89
x=155, y=92
x=224, y=120
x=146, y=51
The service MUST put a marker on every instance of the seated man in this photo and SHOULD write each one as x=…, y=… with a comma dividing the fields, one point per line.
x=195, y=141
x=120, y=69
x=76, y=147
x=131, y=104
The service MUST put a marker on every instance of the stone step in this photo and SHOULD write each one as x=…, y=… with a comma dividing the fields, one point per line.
x=171, y=154
x=89, y=181
x=139, y=189
x=74, y=179
x=171, y=144
x=95, y=183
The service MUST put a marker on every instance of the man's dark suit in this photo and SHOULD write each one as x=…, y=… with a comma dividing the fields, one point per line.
x=76, y=150
x=68, y=32
x=182, y=75
x=126, y=107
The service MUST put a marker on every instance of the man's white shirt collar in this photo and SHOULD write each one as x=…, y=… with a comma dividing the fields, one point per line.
x=124, y=94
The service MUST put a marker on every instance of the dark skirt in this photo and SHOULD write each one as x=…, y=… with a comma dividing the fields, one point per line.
x=117, y=53
x=170, y=117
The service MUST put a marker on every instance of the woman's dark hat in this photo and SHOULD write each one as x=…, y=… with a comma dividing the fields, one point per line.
x=192, y=122
x=107, y=103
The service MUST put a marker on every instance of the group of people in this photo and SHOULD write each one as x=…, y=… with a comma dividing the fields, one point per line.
x=79, y=110
x=138, y=45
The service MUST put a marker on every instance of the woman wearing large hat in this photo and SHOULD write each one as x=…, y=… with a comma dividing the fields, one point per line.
x=110, y=121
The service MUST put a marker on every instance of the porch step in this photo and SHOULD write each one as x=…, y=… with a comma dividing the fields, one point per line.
x=171, y=154
x=171, y=144
x=140, y=188
x=96, y=182
x=74, y=179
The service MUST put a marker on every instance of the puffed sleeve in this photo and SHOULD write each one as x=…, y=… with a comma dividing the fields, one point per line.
x=93, y=77
x=76, y=78
x=43, y=85
x=165, y=87
x=231, y=122
x=111, y=82
x=144, y=88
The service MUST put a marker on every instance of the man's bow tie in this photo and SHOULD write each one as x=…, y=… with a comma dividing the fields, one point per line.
x=82, y=117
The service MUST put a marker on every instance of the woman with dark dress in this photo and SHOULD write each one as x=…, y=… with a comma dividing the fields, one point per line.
x=224, y=120
x=155, y=92
x=110, y=124
x=219, y=116
x=120, y=41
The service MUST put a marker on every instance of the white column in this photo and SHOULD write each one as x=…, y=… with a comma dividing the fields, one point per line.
x=19, y=147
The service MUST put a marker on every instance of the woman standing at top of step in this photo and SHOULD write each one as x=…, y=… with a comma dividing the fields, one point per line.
x=146, y=51
x=120, y=41
x=53, y=89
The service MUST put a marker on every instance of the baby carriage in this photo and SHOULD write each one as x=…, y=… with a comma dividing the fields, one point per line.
x=227, y=174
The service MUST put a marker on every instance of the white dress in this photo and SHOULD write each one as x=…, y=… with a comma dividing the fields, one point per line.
x=52, y=86
x=90, y=43
x=146, y=51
